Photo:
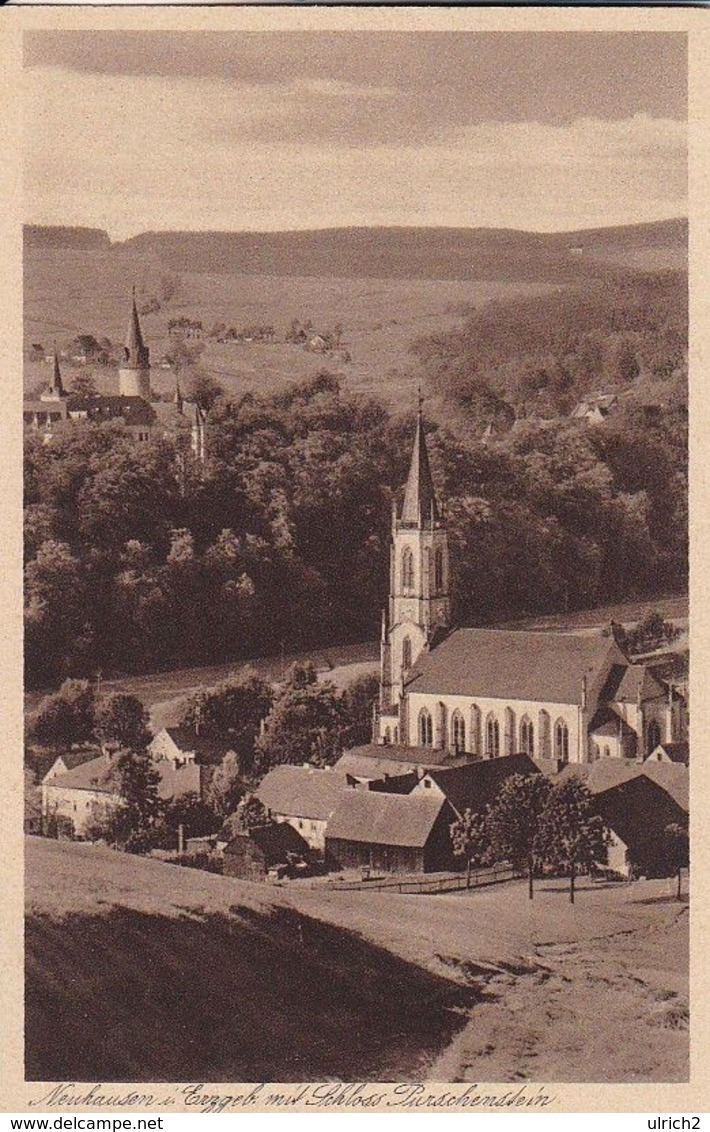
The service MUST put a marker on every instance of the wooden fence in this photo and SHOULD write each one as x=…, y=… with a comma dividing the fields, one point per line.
x=451, y=882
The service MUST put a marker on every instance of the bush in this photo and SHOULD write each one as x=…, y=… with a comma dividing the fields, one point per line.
x=200, y=860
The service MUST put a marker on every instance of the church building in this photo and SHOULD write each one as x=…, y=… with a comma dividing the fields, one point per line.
x=482, y=693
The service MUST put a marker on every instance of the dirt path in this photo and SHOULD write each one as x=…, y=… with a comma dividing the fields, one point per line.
x=610, y=1009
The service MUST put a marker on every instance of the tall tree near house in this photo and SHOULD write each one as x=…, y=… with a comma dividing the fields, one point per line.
x=232, y=711
x=514, y=819
x=471, y=840
x=122, y=721
x=677, y=850
x=304, y=725
x=571, y=837
x=227, y=785
x=137, y=782
x=67, y=717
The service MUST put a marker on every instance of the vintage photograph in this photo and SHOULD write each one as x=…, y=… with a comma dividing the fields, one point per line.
x=355, y=403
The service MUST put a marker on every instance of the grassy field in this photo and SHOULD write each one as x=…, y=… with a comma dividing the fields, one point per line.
x=70, y=292
x=137, y=970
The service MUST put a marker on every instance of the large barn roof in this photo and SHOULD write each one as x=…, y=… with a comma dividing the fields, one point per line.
x=475, y=785
x=608, y=774
x=304, y=792
x=385, y=819
x=509, y=665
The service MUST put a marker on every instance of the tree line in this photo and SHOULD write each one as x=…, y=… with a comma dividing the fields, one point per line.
x=138, y=559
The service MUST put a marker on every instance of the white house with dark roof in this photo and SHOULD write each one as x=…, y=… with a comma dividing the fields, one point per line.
x=483, y=693
x=75, y=793
x=304, y=797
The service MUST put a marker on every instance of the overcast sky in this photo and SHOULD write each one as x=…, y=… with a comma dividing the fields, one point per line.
x=132, y=131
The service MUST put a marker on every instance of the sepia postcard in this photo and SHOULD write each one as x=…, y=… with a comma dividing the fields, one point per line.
x=354, y=553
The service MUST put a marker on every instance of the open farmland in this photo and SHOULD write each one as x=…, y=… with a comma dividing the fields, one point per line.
x=150, y=972
x=68, y=292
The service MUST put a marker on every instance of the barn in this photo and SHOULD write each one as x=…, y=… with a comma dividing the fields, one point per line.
x=251, y=854
x=394, y=833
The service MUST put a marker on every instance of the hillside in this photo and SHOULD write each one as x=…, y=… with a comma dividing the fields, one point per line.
x=138, y=970
x=399, y=253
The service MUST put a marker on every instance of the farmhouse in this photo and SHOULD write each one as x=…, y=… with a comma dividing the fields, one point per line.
x=182, y=745
x=370, y=763
x=475, y=785
x=483, y=693
x=637, y=802
x=391, y=832
x=305, y=798
x=251, y=854
x=75, y=794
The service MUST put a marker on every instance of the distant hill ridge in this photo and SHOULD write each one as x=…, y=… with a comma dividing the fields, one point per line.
x=406, y=253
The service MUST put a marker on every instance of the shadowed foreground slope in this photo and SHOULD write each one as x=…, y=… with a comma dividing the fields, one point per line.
x=247, y=995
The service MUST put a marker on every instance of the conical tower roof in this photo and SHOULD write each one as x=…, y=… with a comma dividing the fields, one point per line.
x=419, y=497
x=56, y=386
x=136, y=352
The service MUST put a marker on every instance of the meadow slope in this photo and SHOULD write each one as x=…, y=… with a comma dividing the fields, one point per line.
x=139, y=970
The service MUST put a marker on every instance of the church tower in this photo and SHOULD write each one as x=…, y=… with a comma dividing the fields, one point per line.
x=134, y=369
x=55, y=390
x=419, y=602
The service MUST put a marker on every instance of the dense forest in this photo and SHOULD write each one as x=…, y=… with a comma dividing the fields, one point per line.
x=138, y=559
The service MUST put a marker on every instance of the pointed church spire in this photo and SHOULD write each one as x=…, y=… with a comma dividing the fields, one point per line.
x=137, y=353
x=419, y=497
x=56, y=386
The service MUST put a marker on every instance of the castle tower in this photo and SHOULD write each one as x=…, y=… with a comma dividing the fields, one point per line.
x=419, y=601
x=55, y=390
x=134, y=369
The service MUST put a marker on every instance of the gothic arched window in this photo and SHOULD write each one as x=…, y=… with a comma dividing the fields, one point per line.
x=561, y=741
x=439, y=570
x=407, y=569
x=406, y=653
x=475, y=730
x=426, y=729
x=492, y=737
x=527, y=736
x=458, y=732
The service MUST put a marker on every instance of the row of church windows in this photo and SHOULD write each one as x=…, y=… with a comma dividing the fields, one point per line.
x=487, y=740
x=407, y=570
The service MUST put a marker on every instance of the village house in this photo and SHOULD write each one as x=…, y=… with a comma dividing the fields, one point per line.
x=670, y=753
x=182, y=745
x=305, y=798
x=637, y=802
x=370, y=763
x=392, y=833
x=76, y=794
x=252, y=854
x=595, y=407
x=474, y=785
x=483, y=693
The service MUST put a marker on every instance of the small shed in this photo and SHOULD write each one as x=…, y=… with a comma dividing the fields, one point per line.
x=251, y=854
x=394, y=833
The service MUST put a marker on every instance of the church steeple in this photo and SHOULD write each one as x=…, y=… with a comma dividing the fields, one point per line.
x=419, y=603
x=420, y=503
x=134, y=370
x=55, y=390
